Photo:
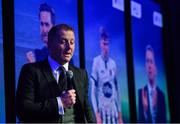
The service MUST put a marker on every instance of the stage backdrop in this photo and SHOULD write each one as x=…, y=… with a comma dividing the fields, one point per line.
x=27, y=26
x=107, y=15
x=2, y=94
x=147, y=27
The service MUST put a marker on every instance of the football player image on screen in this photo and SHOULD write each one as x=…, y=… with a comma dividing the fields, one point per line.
x=104, y=86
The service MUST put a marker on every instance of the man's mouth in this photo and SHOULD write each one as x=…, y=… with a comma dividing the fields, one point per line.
x=67, y=53
x=150, y=72
x=44, y=35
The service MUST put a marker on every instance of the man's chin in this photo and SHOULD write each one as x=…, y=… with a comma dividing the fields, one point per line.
x=45, y=39
x=67, y=59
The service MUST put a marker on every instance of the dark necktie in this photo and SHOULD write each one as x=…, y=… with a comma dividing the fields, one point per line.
x=62, y=81
x=105, y=64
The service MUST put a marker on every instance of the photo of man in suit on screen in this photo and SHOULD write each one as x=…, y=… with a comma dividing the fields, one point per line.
x=151, y=99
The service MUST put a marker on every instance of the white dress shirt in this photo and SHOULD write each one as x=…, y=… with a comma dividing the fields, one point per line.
x=56, y=73
x=151, y=92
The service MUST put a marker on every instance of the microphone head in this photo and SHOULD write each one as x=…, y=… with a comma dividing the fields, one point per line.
x=69, y=74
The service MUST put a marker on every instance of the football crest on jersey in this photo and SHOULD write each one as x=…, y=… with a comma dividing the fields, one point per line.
x=107, y=89
x=102, y=71
x=110, y=72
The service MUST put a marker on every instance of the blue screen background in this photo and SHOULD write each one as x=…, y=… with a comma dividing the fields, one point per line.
x=101, y=13
x=27, y=31
x=2, y=94
x=144, y=32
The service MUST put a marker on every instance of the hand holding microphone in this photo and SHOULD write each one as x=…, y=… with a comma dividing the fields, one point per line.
x=69, y=97
x=69, y=75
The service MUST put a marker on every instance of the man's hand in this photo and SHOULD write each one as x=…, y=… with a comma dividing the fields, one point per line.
x=68, y=98
x=154, y=100
x=30, y=57
x=98, y=118
x=144, y=100
x=120, y=121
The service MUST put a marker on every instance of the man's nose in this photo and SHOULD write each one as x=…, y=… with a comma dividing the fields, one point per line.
x=68, y=44
x=44, y=28
x=149, y=67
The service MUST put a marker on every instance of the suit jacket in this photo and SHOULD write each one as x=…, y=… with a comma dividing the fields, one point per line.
x=161, y=109
x=37, y=91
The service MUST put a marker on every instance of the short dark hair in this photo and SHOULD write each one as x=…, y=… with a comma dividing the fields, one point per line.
x=103, y=33
x=149, y=48
x=54, y=31
x=47, y=8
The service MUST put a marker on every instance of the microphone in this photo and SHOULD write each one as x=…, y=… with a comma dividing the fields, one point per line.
x=69, y=74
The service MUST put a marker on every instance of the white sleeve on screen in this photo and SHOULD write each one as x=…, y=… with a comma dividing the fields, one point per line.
x=60, y=106
x=94, y=69
x=93, y=95
x=118, y=100
x=93, y=90
x=118, y=96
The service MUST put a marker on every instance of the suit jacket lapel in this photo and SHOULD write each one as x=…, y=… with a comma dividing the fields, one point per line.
x=46, y=69
x=149, y=112
x=77, y=83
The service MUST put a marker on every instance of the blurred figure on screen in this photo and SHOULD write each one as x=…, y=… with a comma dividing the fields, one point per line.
x=151, y=99
x=47, y=21
x=104, y=86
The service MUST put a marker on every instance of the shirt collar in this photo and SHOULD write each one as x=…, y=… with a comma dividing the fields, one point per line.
x=54, y=65
x=104, y=58
x=151, y=88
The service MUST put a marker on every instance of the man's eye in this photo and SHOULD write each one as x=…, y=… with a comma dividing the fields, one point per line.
x=62, y=41
x=41, y=23
x=47, y=24
x=72, y=42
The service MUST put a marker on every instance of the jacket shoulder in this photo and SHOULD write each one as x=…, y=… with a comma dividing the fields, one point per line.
x=160, y=92
x=34, y=66
x=76, y=69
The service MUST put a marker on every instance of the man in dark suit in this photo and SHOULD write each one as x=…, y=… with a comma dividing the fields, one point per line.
x=151, y=99
x=45, y=93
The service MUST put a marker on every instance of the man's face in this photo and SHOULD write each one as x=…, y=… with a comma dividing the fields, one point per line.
x=150, y=65
x=62, y=48
x=45, y=25
x=104, y=47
